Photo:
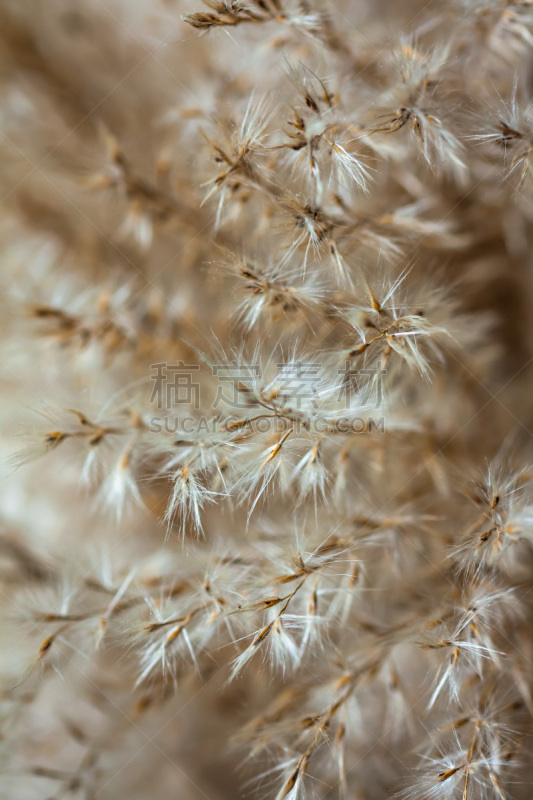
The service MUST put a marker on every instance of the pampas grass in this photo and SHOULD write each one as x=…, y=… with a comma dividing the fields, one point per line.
x=267, y=508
